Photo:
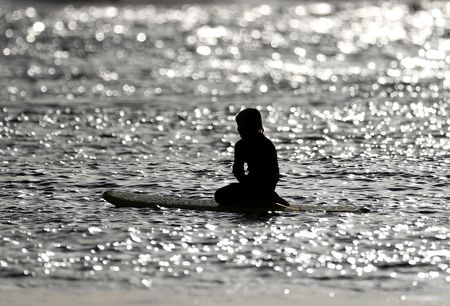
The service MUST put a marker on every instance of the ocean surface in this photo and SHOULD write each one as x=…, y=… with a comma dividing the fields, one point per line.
x=142, y=98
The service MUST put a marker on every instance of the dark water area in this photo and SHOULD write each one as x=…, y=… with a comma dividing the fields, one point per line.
x=143, y=97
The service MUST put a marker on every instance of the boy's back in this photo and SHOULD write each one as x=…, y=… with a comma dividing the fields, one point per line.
x=261, y=157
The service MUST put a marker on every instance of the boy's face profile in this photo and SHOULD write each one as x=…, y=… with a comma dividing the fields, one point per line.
x=249, y=122
x=243, y=131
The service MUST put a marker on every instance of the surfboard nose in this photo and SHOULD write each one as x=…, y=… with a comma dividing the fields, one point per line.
x=107, y=195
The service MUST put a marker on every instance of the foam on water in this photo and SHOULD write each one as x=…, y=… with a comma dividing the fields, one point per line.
x=354, y=96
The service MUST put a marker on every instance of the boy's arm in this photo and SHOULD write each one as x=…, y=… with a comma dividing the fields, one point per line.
x=238, y=165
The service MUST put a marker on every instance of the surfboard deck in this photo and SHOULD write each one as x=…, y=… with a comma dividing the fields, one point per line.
x=142, y=200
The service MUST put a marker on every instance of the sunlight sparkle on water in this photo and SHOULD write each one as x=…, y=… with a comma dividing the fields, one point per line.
x=144, y=97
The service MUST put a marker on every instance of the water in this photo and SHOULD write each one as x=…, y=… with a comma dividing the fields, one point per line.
x=354, y=96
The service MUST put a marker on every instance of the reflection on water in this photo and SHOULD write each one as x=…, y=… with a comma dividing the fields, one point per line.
x=354, y=97
x=388, y=50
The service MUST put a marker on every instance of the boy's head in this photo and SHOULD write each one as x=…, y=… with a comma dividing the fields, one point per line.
x=249, y=122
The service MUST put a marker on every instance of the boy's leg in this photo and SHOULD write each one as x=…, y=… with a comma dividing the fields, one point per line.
x=230, y=195
x=277, y=199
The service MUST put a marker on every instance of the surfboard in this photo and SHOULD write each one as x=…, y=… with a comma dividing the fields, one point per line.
x=133, y=199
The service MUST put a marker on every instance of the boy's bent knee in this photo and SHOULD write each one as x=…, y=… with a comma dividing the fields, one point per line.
x=219, y=196
x=227, y=194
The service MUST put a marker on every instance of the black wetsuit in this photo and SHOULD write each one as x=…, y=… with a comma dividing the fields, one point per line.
x=260, y=155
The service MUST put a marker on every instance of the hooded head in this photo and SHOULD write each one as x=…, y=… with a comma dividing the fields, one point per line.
x=249, y=122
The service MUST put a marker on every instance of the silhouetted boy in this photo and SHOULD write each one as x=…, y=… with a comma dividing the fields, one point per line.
x=260, y=155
